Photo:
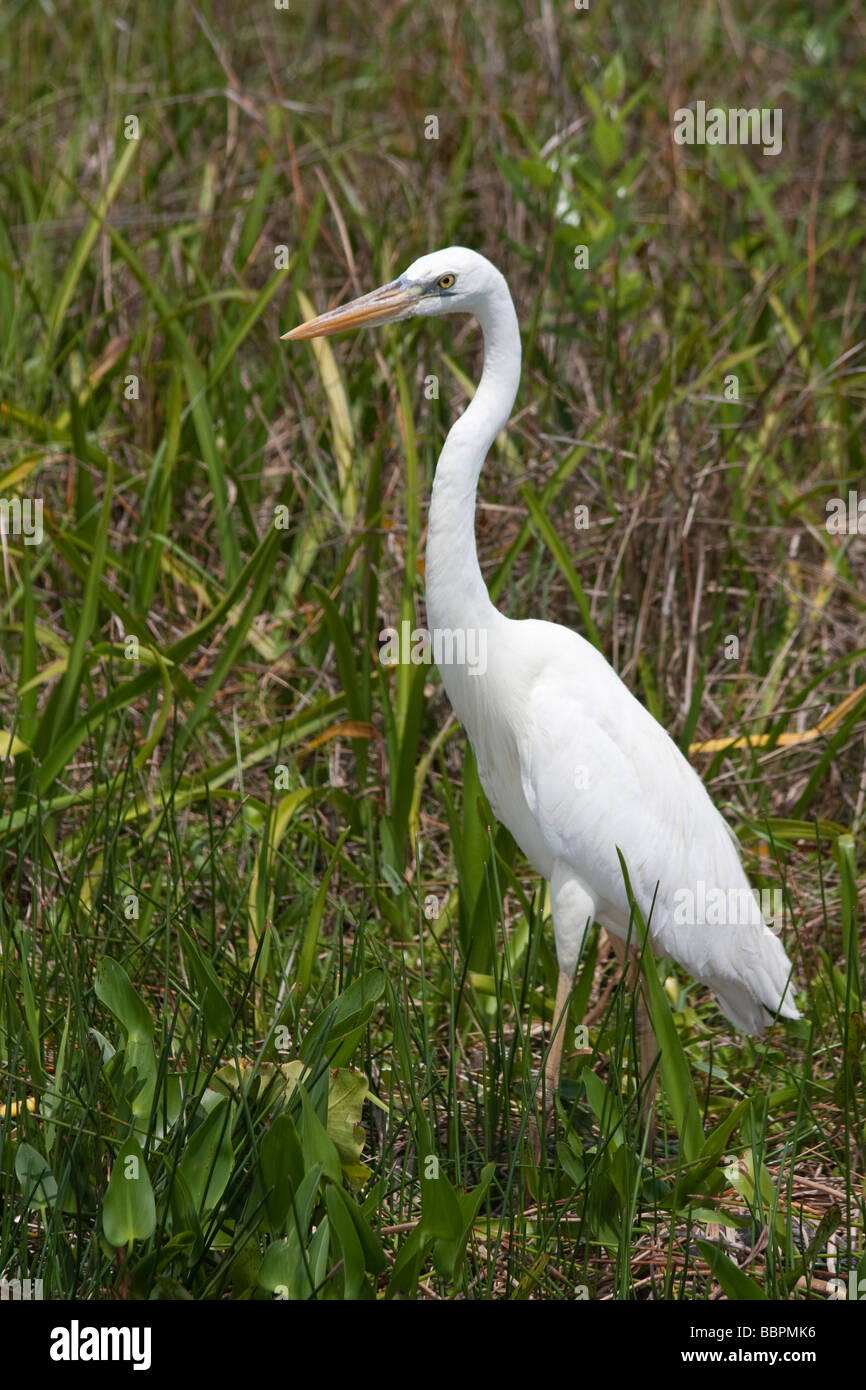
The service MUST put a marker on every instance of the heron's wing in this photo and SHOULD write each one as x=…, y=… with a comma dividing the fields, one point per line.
x=600, y=774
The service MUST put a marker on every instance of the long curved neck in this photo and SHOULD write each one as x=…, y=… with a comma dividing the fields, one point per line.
x=457, y=596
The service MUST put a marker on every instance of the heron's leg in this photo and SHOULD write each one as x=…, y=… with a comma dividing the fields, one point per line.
x=553, y=1061
x=573, y=908
x=646, y=1037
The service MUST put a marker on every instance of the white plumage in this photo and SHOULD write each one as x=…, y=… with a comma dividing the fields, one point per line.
x=571, y=762
x=576, y=768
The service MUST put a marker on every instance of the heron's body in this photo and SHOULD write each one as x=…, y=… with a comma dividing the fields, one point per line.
x=572, y=763
x=615, y=781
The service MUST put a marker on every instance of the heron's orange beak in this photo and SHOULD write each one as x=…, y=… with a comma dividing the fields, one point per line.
x=385, y=305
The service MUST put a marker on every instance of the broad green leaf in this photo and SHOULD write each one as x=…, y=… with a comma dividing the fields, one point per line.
x=441, y=1215
x=448, y=1254
x=207, y=1160
x=114, y=989
x=217, y=1011
x=286, y=1263
x=318, y=1148
x=354, y=1283
x=35, y=1176
x=129, y=1210
x=346, y=1095
x=735, y=1283
x=281, y=1163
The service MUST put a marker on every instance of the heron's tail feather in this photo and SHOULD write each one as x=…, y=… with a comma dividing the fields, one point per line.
x=761, y=988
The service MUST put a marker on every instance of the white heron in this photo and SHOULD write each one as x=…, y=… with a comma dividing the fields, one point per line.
x=571, y=762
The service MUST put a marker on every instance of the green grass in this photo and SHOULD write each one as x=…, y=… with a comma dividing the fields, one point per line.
x=251, y=895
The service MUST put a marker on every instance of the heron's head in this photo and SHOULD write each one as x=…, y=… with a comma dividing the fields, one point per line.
x=452, y=281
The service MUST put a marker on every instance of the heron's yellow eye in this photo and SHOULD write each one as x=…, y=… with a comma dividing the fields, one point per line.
x=446, y=281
